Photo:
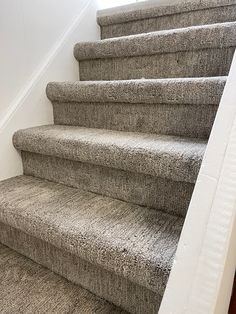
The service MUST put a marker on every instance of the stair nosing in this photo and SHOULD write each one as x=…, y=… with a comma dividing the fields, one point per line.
x=159, y=42
x=150, y=91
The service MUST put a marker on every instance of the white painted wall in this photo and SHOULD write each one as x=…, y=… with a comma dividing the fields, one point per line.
x=37, y=39
x=104, y=4
x=28, y=30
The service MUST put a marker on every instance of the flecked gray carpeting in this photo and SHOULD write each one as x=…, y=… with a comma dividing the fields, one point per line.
x=106, y=188
x=27, y=288
x=174, y=14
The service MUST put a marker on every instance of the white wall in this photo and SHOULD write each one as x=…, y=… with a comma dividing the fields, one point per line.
x=104, y=4
x=37, y=39
x=28, y=30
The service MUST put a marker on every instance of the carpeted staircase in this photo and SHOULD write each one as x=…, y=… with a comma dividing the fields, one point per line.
x=105, y=190
x=28, y=288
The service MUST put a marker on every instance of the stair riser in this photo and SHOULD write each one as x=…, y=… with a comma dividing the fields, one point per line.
x=186, y=19
x=168, y=195
x=180, y=120
x=196, y=63
x=121, y=292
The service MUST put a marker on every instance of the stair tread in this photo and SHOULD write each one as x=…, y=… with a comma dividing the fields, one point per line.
x=133, y=241
x=151, y=9
x=46, y=292
x=133, y=244
x=171, y=157
x=185, y=39
x=167, y=91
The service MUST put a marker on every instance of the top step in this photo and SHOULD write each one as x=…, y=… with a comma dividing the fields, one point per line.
x=154, y=15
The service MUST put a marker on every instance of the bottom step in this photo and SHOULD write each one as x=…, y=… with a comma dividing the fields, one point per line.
x=26, y=287
x=120, y=252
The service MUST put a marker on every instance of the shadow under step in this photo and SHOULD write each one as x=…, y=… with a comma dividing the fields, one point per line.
x=46, y=292
x=147, y=169
x=154, y=16
x=195, y=51
x=129, y=241
x=182, y=107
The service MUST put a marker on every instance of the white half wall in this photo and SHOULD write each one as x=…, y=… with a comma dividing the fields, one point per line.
x=37, y=47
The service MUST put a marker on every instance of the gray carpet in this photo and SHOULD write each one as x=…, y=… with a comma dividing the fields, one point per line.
x=187, y=91
x=26, y=288
x=182, y=107
x=195, y=51
x=147, y=190
x=155, y=43
x=105, y=190
x=124, y=238
x=175, y=158
x=161, y=17
x=99, y=281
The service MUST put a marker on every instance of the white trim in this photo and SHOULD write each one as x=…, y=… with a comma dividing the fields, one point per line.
x=42, y=68
x=204, y=263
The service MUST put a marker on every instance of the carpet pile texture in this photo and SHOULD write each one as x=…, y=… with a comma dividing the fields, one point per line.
x=38, y=290
x=106, y=188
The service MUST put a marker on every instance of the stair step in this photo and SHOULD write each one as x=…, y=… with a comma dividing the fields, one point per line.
x=199, y=91
x=169, y=157
x=152, y=16
x=187, y=52
x=134, y=242
x=46, y=292
x=182, y=107
x=145, y=190
x=144, y=169
x=118, y=290
x=106, y=189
